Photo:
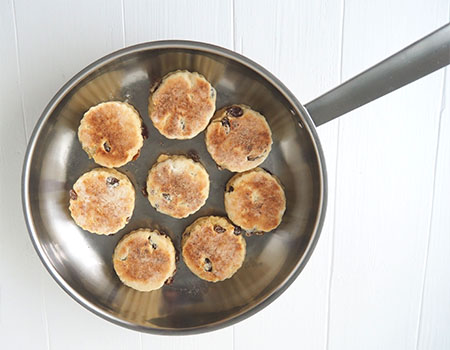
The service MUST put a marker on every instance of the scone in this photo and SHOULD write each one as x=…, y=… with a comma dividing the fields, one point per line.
x=102, y=201
x=182, y=105
x=212, y=248
x=255, y=200
x=177, y=186
x=111, y=133
x=238, y=138
x=144, y=259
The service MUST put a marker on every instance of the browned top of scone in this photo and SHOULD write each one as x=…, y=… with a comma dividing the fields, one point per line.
x=255, y=200
x=238, y=138
x=182, y=105
x=211, y=249
x=111, y=133
x=102, y=201
x=138, y=259
x=177, y=186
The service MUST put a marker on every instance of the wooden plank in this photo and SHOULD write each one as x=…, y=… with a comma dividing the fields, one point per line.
x=304, y=54
x=200, y=20
x=55, y=42
x=208, y=21
x=434, y=327
x=220, y=340
x=21, y=307
x=72, y=327
x=385, y=178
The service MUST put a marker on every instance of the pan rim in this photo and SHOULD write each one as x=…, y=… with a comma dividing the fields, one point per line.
x=183, y=45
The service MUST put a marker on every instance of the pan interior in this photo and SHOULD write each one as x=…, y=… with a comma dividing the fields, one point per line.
x=82, y=262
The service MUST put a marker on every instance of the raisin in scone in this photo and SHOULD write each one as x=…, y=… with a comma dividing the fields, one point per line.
x=255, y=200
x=238, y=138
x=177, y=186
x=144, y=259
x=182, y=105
x=102, y=201
x=213, y=248
x=111, y=133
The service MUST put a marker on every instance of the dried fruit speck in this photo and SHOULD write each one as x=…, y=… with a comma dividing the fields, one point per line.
x=73, y=195
x=219, y=229
x=235, y=111
x=112, y=181
x=208, y=265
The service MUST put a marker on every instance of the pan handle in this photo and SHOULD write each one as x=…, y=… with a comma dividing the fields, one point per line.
x=413, y=62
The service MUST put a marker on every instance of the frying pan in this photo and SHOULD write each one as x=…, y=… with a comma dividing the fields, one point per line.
x=80, y=262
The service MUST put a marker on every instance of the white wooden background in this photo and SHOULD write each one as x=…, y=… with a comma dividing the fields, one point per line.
x=380, y=275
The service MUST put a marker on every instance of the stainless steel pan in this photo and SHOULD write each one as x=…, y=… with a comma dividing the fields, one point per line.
x=80, y=262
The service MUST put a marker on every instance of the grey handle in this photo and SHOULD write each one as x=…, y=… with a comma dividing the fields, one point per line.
x=413, y=62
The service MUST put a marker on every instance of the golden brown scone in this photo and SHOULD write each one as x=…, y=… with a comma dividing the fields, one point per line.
x=144, y=259
x=255, y=200
x=182, y=105
x=102, y=201
x=212, y=248
x=111, y=133
x=177, y=186
x=238, y=138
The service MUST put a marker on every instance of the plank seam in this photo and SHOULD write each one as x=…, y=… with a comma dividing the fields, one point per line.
x=19, y=74
x=430, y=222
x=333, y=232
x=233, y=23
x=123, y=22
x=44, y=313
x=24, y=126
